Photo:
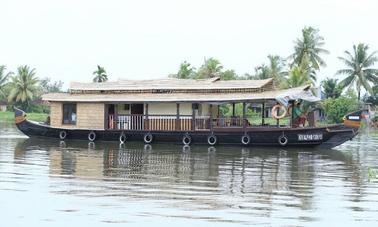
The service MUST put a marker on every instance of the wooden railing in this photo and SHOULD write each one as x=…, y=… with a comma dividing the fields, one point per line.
x=140, y=122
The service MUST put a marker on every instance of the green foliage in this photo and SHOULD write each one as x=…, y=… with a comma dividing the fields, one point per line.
x=210, y=68
x=297, y=77
x=308, y=48
x=47, y=86
x=372, y=174
x=330, y=88
x=100, y=75
x=3, y=80
x=186, y=71
x=373, y=99
x=359, y=71
x=228, y=75
x=337, y=108
x=23, y=86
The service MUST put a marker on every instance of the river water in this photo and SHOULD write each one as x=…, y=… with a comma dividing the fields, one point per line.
x=52, y=183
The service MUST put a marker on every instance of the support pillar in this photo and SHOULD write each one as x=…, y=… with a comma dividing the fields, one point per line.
x=263, y=113
x=147, y=123
x=211, y=117
x=178, y=125
x=244, y=119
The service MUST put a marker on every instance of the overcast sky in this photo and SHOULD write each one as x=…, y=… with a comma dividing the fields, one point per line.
x=142, y=39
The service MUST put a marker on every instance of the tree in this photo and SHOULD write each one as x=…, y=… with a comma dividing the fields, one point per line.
x=337, y=108
x=100, y=75
x=186, y=71
x=274, y=69
x=3, y=79
x=23, y=86
x=48, y=86
x=373, y=99
x=307, y=50
x=330, y=88
x=229, y=75
x=298, y=76
x=211, y=68
x=359, y=69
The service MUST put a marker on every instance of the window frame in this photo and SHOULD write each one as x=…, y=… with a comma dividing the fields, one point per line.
x=73, y=109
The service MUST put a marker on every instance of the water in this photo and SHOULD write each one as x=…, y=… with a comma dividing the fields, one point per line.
x=48, y=183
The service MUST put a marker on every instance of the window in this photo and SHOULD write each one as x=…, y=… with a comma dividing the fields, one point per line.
x=69, y=114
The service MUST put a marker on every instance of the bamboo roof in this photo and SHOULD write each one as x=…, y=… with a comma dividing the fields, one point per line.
x=141, y=97
x=171, y=84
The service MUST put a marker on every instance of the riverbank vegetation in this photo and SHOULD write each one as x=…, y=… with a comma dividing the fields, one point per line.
x=359, y=76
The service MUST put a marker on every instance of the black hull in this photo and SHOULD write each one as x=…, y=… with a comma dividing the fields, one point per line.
x=331, y=136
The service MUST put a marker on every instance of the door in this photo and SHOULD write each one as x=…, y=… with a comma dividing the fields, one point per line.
x=137, y=119
x=136, y=108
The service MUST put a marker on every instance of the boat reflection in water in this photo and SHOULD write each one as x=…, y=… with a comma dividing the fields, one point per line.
x=250, y=176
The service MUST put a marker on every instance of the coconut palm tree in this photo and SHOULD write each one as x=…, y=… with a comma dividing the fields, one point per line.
x=211, y=68
x=23, y=86
x=331, y=88
x=298, y=76
x=100, y=75
x=308, y=49
x=274, y=69
x=186, y=71
x=3, y=78
x=359, y=69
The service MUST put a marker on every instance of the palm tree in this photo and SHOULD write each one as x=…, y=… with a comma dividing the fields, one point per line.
x=308, y=49
x=23, y=86
x=211, y=68
x=331, y=88
x=229, y=75
x=298, y=76
x=359, y=69
x=100, y=75
x=274, y=69
x=186, y=71
x=3, y=78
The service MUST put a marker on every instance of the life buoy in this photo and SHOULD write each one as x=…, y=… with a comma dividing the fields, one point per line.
x=186, y=140
x=245, y=139
x=122, y=138
x=289, y=110
x=148, y=138
x=275, y=110
x=147, y=147
x=62, y=135
x=186, y=148
x=92, y=136
x=211, y=140
x=283, y=140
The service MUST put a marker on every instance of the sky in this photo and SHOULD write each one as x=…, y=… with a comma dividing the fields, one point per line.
x=66, y=39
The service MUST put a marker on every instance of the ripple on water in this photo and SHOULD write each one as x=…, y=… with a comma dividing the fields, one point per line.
x=228, y=186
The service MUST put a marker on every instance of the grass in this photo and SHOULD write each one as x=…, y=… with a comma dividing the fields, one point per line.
x=31, y=116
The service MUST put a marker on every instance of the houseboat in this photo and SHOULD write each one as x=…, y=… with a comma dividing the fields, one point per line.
x=183, y=111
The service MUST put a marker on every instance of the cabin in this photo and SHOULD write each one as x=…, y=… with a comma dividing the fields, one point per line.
x=161, y=105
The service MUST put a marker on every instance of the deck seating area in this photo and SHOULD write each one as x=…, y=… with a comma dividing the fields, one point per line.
x=140, y=122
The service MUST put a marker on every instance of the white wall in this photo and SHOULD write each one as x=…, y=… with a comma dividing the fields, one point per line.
x=169, y=108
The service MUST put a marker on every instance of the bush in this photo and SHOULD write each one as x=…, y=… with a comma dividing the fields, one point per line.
x=337, y=108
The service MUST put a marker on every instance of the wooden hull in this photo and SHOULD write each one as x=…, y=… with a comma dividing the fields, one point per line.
x=324, y=137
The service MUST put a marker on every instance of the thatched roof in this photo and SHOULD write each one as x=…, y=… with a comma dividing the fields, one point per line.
x=172, y=85
x=173, y=97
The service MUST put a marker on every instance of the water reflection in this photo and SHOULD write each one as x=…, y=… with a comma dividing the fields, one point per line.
x=222, y=185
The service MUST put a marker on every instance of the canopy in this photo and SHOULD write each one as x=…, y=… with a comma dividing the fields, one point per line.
x=304, y=95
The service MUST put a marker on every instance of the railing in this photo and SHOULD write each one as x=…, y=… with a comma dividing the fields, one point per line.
x=170, y=122
x=228, y=122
